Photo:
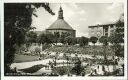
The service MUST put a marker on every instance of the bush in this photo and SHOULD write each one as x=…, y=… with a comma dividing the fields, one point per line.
x=60, y=70
x=77, y=69
x=83, y=41
x=93, y=39
x=37, y=50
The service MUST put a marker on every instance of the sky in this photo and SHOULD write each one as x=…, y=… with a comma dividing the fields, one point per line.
x=79, y=15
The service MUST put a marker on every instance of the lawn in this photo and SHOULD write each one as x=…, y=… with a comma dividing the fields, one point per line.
x=24, y=58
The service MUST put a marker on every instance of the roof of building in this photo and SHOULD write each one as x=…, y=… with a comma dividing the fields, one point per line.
x=60, y=23
x=121, y=18
x=101, y=25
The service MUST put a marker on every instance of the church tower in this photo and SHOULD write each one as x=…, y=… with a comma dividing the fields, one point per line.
x=61, y=26
x=60, y=13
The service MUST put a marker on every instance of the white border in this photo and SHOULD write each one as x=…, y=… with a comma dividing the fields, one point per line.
x=0, y=33
x=64, y=1
x=61, y=78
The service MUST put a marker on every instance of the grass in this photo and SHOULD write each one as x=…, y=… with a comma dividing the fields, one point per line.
x=24, y=58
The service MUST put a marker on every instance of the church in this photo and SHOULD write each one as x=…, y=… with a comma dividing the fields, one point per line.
x=61, y=26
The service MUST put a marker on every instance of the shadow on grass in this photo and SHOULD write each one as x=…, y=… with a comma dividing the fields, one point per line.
x=33, y=69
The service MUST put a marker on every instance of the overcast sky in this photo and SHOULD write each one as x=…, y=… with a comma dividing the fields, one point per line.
x=79, y=15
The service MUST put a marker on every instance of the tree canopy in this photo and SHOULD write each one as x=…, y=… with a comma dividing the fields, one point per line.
x=83, y=41
x=31, y=37
x=17, y=22
x=93, y=39
x=117, y=37
x=104, y=40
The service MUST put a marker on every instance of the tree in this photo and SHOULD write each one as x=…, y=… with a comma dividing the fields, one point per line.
x=83, y=41
x=38, y=51
x=49, y=38
x=115, y=40
x=56, y=37
x=117, y=37
x=93, y=39
x=17, y=22
x=41, y=39
x=70, y=40
x=104, y=40
x=63, y=36
x=31, y=37
x=77, y=69
x=45, y=39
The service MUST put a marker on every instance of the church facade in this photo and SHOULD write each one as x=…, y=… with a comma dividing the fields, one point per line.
x=61, y=26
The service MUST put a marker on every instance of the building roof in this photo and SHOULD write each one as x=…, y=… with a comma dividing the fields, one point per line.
x=121, y=18
x=60, y=23
x=101, y=25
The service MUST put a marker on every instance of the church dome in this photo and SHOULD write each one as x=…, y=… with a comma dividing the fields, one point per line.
x=60, y=23
x=61, y=26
